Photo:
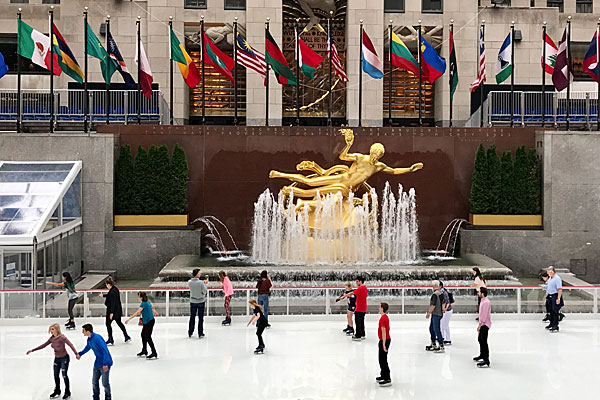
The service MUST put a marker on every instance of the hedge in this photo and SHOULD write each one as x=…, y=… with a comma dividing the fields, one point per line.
x=154, y=183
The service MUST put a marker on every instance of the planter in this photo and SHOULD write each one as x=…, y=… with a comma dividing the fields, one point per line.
x=151, y=220
x=505, y=220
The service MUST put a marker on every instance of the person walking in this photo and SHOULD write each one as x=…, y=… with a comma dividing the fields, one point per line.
x=61, y=359
x=351, y=309
x=361, y=293
x=228, y=291
x=478, y=282
x=114, y=311
x=436, y=312
x=264, y=285
x=147, y=311
x=383, y=332
x=258, y=318
x=485, y=323
x=449, y=299
x=69, y=285
x=198, y=293
x=102, y=364
x=554, y=297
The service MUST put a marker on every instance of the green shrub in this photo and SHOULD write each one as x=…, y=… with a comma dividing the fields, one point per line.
x=534, y=185
x=124, y=179
x=506, y=192
x=521, y=181
x=479, y=189
x=493, y=180
x=179, y=178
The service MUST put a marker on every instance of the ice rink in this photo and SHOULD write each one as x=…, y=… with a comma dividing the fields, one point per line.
x=308, y=359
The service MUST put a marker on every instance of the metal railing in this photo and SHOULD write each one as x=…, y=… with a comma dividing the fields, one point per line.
x=527, y=108
x=294, y=301
x=69, y=106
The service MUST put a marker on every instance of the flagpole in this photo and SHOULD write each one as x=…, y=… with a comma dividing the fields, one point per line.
x=598, y=75
x=450, y=74
x=267, y=78
x=86, y=100
x=568, y=70
x=106, y=64
x=544, y=74
x=18, y=76
x=235, y=73
x=390, y=77
x=139, y=58
x=297, y=73
x=202, y=54
x=420, y=74
x=51, y=12
x=512, y=73
x=170, y=73
x=360, y=76
x=481, y=86
x=330, y=94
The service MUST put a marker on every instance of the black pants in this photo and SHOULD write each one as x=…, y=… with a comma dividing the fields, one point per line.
x=196, y=308
x=61, y=364
x=554, y=308
x=484, y=350
x=72, y=303
x=548, y=306
x=147, y=336
x=259, y=332
x=117, y=319
x=383, y=363
x=359, y=318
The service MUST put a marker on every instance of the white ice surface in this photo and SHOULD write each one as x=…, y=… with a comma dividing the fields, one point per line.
x=315, y=360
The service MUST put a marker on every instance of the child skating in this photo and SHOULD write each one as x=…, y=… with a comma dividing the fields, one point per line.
x=349, y=330
x=259, y=319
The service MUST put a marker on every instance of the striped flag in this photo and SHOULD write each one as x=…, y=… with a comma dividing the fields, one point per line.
x=335, y=61
x=481, y=73
x=370, y=61
x=551, y=53
x=250, y=58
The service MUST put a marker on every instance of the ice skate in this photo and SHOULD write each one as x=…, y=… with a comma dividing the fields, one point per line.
x=259, y=350
x=350, y=331
x=142, y=354
x=70, y=326
x=226, y=321
x=67, y=395
x=385, y=382
x=483, y=364
x=55, y=394
x=431, y=347
x=439, y=349
x=127, y=339
x=152, y=356
x=110, y=342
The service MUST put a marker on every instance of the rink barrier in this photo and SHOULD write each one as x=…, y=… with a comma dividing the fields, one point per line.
x=170, y=302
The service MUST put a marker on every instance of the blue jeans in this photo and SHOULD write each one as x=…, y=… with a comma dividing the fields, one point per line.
x=435, y=329
x=96, y=383
x=263, y=300
x=196, y=308
x=61, y=364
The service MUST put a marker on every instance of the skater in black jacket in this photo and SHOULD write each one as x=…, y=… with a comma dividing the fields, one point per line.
x=259, y=319
x=114, y=311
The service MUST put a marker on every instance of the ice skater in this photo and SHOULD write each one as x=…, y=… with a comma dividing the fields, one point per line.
x=383, y=331
x=69, y=285
x=264, y=286
x=361, y=293
x=198, y=293
x=548, y=305
x=102, y=364
x=554, y=297
x=259, y=319
x=478, y=282
x=436, y=312
x=114, y=311
x=449, y=299
x=61, y=359
x=228, y=291
x=147, y=312
x=351, y=300
x=485, y=323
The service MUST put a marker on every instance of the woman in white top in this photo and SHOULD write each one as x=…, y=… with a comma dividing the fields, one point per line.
x=478, y=283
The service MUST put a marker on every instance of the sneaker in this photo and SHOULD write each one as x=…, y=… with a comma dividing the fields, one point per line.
x=110, y=342
x=554, y=329
x=142, y=354
x=67, y=395
x=55, y=394
x=152, y=356
x=483, y=364
x=447, y=343
x=201, y=336
x=478, y=358
x=385, y=382
x=127, y=339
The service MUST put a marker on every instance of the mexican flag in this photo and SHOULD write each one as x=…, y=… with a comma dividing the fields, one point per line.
x=551, y=53
x=504, y=63
x=274, y=57
x=308, y=59
x=402, y=57
x=35, y=45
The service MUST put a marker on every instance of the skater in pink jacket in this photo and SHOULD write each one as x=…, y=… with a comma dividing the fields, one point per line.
x=228, y=290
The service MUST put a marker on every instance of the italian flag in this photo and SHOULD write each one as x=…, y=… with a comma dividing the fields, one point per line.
x=274, y=57
x=402, y=57
x=188, y=69
x=215, y=57
x=551, y=53
x=35, y=45
x=308, y=59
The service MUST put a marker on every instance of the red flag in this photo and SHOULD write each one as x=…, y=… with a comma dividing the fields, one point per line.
x=145, y=72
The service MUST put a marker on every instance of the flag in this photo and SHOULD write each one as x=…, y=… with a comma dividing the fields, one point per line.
x=551, y=52
x=402, y=57
x=274, y=57
x=308, y=59
x=481, y=72
x=432, y=64
x=36, y=46
x=66, y=59
x=95, y=49
x=503, y=64
x=335, y=61
x=562, y=68
x=215, y=57
x=453, y=67
x=370, y=61
x=3, y=66
x=145, y=72
x=250, y=58
x=188, y=69
x=590, y=60
x=117, y=58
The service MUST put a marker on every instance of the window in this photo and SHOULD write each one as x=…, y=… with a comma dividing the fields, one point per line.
x=19, y=1
x=557, y=3
x=393, y=6
x=194, y=4
x=235, y=4
x=432, y=6
x=8, y=47
x=584, y=6
x=50, y=1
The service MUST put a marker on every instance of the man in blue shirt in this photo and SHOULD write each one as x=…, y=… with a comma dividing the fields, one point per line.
x=102, y=364
x=554, y=297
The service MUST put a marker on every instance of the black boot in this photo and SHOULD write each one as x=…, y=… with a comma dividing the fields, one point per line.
x=67, y=394
x=55, y=394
